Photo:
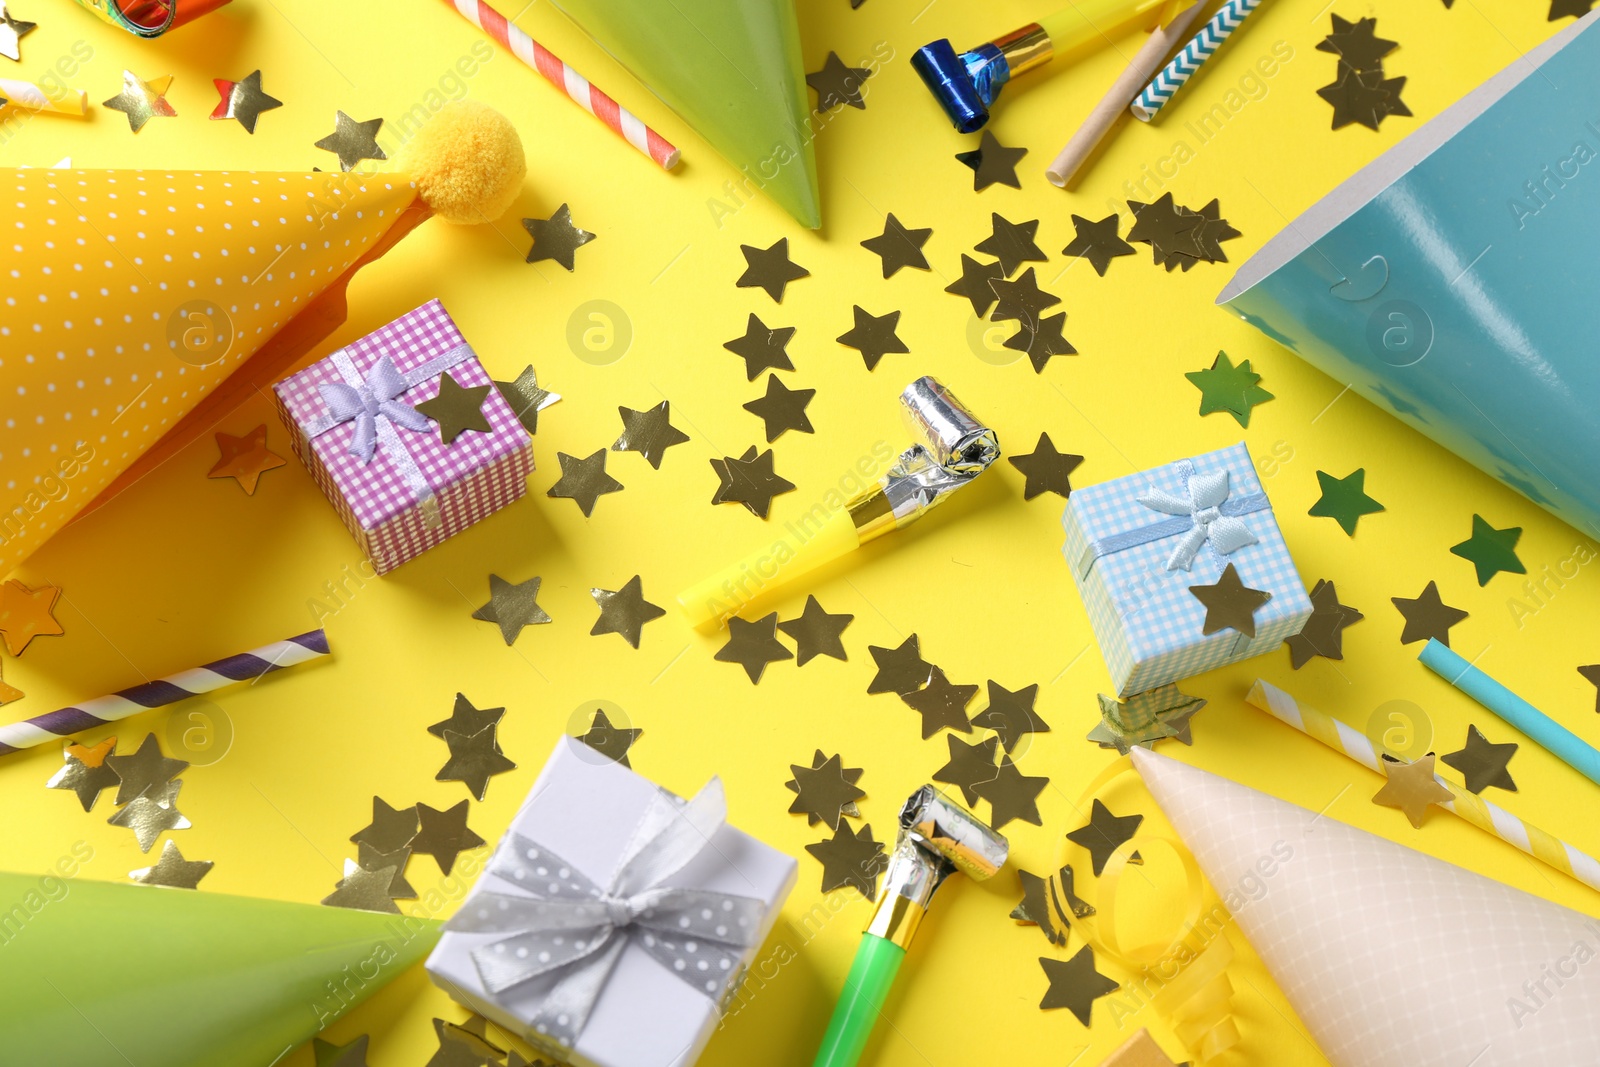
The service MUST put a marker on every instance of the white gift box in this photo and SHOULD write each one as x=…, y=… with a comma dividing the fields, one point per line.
x=588, y=811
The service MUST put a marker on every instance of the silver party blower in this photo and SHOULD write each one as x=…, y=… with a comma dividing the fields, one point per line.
x=938, y=837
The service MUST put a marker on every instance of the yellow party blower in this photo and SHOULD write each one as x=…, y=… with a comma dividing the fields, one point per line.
x=966, y=85
x=951, y=449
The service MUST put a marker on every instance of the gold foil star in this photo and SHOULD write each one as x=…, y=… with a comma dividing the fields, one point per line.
x=145, y=771
x=770, y=269
x=942, y=704
x=1230, y=603
x=850, y=858
x=900, y=669
x=245, y=458
x=328, y=1055
x=749, y=480
x=649, y=433
x=85, y=772
x=1046, y=469
x=371, y=859
x=474, y=760
x=753, y=645
x=1012, y=795
x=457, y=408
x=1411, y=787
x=1104, y=834
x=556, y=237
x=826, y=791
x=624, y=611
x=391, y=829
x=585, y=480
x=27, y=613
x=12, y=30
x=1074, y=984
x=782, y=409
x=464, y=719
x=8, y=692
x=363, y=890
x=1010, y=714
x=526, y=398
x=173, y=870
x=512, y=606
x=151, y=813
x=352, y=141
x=243, y=100
x=444, y=834
x=612, y=742
x=141, y=100
x=1483, y=764
x=816, y=633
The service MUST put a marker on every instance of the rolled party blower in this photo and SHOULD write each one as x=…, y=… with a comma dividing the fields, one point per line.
x=150, y=18
x=247, y=666
x=967, y=84
x=952, y=448
x=35, y=98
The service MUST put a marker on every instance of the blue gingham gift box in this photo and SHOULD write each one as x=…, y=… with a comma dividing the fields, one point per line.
x=1136, y=545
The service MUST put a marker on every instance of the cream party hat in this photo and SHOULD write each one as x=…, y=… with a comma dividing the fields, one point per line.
x=1392, y=958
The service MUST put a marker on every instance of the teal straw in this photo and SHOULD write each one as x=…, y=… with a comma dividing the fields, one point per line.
x=1559, y=741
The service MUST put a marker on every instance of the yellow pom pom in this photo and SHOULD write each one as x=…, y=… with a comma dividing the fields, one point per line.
x=467, y=162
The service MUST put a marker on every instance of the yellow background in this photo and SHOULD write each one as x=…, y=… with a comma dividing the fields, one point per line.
x=181, y=569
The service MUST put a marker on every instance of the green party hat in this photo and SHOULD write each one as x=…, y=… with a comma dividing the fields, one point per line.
x=732, y=70
x=101, y=973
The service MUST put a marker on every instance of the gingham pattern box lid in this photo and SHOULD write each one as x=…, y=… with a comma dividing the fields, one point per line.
x=376, y=491
x=1143, y=614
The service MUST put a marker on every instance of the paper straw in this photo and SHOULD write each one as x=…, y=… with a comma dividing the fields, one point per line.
x=29, y=95
x=1122, y=91
x=1171, y=78
x=1485, y=816
x=55, y=725
x=1559, y=741
x=623, y=122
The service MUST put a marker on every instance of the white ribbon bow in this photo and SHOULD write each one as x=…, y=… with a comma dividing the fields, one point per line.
x=377, y=397
x=1207, y=493
x=566, y=921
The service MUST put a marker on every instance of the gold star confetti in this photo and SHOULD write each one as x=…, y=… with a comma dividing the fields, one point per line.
x=444, y=834
x=1483, y=764
x=1012, y=795
x=27, y=613
x=245, y=458
x=1323, y=633
x=850, y=858
x=329, y=1055
x=391, y=829
x=1104, y=834
x=464, y=719
x=899, y=247
x=970, y=766
x=364, y=890
x=1427, y=616
x=526, y=398
x=1039, y=342
x=1046, y=469
x=624, y=611
x=749, y=480
x=762, y=347
x=941, y=704
x=1034, y=908
x=8, y=692
x=838, y=84
x=474, y=759
x=12, y=30
x=992, y=163
x=1074, y=984
x=874, y=336
x=1230, y=603
x=1021, y=300
x=770, y=269
x=649, y=433
x=1011, y=243
x=141, y=100
x=173, y=870
x=371, y=859
x=243, y=100
x=1010, y=714
x=1145, y=718
x=86, y=772
x=901, y=669
x=782, y=409
x=612, y=742
x=145, y=771
x=512, y=606
x=151, y=813
x=1411, y=787
x=584, y=481
x=1098, y=242
x=352, y=141
x=973, y=284
x=460, y=1047
x=826, y=791
x=753, y=645
x=556, y=238
x=457, y=408
x=816, y=633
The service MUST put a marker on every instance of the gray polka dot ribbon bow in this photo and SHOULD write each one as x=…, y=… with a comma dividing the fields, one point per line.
x=561, y=921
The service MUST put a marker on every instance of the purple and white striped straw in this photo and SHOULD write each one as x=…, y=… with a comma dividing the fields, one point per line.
x=64, y=722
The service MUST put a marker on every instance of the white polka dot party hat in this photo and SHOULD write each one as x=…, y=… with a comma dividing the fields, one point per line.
x=1390, y=957
x=139, y=307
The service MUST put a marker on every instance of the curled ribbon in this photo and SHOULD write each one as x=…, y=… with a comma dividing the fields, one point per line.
x=1207, y=516
x=561, y=921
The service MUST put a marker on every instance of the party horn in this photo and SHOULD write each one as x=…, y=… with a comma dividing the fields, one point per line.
x=246, y=666
x=951, y=449
x=150, y=18
x=938, y=838
x=966, y=85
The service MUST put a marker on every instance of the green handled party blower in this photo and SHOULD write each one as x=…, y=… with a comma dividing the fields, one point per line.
x=937, y=838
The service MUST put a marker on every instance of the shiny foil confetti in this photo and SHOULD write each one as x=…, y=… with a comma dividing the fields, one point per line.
x=1229, y=603
x=370, y=859
x=770, y=269
x=992, y=163
x=556, y=238
x=152, y=813
x=1098, y=242
x=1225, y=387
x=850, y=859
x=142, y=100
x=1041, y=341
x=873, y=336
x=1427, y=616
x=970, y=767
x=1046, y=469
x=245, y=458
x=1145, y=718
x=1075, y=984
x=1323, y=633
x=352, y=141
x=327, y=1054
x=1483, y=764
x=1591, y=674
x=1012, y=243
x=172, y=870
x=1179, y=236
x=443, y=835
x=753, y=645
x=390, y=830
x=512, y=606
x=27, y=613
x=762, y=347
x=1021, y=299
x=1034, y=908
x=243, y=100
x=816, y=633
x=900, y=670
x=1012, y=795
x=649, y=433
x=898, y=247
x=584, y=481
x=941, y=704
x=826, y=791
x=364, y=890
x=1489, y=550
x=1411, y=787
x=145, y=771
x=526, y=398
x=749, y=480
x=624, y=611
x=612, y=742
x=1359, y=92
x=782, y=409
x=456, y=408
x=85, y=771
x=1010, y=714
x=1104, y=834
x=474, y=759
x=8, y=692
x=837, y=84
x=464, y=719
x=973, y=285
x=12, y=31
x=1344, y=500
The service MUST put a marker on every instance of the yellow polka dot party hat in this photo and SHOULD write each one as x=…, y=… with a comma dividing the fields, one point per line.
x=141, y=306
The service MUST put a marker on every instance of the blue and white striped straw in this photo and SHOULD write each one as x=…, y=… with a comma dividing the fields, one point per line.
x=1199, y=49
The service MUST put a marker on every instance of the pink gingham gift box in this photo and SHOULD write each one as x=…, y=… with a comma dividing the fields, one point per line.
x=397, y=486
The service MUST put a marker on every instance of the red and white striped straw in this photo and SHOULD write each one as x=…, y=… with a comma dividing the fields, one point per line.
x=624, y=122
